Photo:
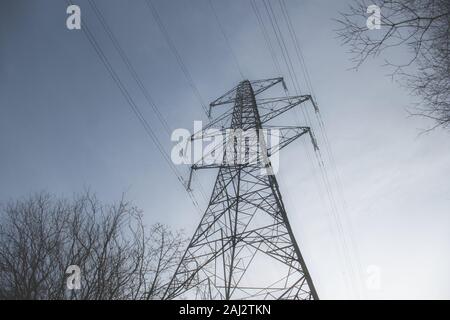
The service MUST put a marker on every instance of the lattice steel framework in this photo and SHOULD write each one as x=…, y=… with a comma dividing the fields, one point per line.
x=244, y=246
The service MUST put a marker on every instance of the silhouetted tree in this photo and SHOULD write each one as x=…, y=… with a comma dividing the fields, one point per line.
x=42, y=235
x=423, y=26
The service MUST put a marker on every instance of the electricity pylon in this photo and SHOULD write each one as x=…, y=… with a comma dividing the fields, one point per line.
x=244, y=246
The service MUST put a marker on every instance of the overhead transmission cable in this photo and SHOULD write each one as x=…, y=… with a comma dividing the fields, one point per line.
x=332, y=159
x=320, y=121
x=309, y=84
x=134, y=74
x=322, y=130
x=289, y=68
x=318, y=154
x=133, y=106
x=154, y=11
x=266, y=36
x=289, y=65
x=177, y=55
x=227, y=41
x=129, y=65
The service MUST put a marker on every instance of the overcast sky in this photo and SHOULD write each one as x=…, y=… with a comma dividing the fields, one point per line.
x=65, y=127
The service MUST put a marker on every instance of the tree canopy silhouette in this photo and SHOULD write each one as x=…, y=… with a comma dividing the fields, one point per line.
x=118, y=257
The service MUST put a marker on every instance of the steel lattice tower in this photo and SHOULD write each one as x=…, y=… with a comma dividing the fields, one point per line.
x=244, y=246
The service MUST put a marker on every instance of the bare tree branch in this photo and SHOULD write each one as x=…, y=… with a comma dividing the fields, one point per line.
x=42, y=235
x=422, y=27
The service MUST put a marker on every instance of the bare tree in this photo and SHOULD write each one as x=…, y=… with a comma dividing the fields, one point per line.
x=41, y=236
x=423, y=27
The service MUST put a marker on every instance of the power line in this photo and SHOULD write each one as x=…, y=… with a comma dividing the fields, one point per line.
x=290, y=68
x=183, y=68
x=177, y=55
x=132, y=71
x=266, y=36
x=323, y=170
x=222, y=30
x=302, y=64
x=129, y=65
x=296, y=46
x=133, y=106
x=279, y=38
x=277, y=67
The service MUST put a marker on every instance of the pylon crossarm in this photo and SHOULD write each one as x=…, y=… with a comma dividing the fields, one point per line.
x=222, y=166
x=220, y=122
x=225, y=98
x=262, y=101
x=260, y=86
x=272, y=108
x=286, y=135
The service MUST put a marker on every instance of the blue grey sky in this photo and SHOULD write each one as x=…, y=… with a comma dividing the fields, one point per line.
x=65, y=127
